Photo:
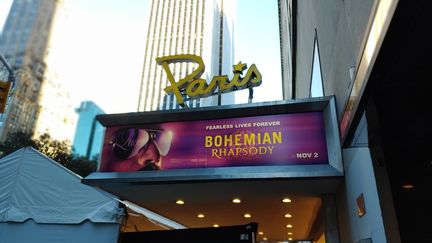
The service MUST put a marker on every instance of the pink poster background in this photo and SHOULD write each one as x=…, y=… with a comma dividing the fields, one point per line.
x=286, y=139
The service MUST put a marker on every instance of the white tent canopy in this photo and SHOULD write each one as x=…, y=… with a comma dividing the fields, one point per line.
x=39, y=193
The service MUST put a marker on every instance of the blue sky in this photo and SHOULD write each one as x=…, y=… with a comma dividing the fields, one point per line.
x=257, y=41
x=4, y=8
x=105, y=44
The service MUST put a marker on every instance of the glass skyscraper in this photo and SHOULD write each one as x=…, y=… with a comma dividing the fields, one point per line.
x=89, y=133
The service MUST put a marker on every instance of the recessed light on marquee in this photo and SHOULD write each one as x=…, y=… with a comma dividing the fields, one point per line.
x=236, y=200
x=286, y=200
x=289, y=226
x=247, y=215
x=200, y=215
x=407, y=186
x=180, y=202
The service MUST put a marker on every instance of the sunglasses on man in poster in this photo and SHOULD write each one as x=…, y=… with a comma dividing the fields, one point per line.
x=139, y=147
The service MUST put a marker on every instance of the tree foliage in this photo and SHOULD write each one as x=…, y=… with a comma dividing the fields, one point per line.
x=15, y=141
x=58, y=151
x=82, y=166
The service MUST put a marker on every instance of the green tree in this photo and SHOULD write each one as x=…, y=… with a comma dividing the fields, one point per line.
x=58, y=151
x=15, y=141
x=82, y=166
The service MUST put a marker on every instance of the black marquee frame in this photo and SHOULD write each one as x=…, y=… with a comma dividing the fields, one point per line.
x=325, y=104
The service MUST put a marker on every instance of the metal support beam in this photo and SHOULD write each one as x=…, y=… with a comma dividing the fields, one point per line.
x=331, y=229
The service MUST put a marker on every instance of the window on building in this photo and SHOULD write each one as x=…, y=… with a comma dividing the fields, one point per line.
x=316, y=88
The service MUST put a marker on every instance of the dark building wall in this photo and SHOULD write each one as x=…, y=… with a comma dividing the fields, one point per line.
x=341, y=29
x=395, y=97
x=400, y=116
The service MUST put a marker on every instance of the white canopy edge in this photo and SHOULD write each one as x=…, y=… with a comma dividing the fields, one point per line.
x=154, y=217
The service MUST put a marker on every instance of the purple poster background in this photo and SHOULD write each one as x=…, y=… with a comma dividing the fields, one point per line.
x=287, y=139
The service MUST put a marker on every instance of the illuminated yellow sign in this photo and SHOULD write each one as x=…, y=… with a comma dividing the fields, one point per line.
x=194, y=86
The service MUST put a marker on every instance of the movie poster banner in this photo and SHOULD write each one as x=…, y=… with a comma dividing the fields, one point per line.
x=285, y=139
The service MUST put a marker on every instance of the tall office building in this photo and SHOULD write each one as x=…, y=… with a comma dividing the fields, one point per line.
x=89, y=132
x=286, y=32
x=38, y=103
x=199, y=27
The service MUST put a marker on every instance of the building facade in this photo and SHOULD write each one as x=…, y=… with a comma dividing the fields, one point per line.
x=374, y=58
x=89, y=133
x=203, y=28
x=26, y=42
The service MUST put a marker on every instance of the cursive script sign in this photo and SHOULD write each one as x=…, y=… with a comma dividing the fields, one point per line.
x=193, y=86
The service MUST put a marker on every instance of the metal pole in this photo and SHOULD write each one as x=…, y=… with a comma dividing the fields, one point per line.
x=250, y=94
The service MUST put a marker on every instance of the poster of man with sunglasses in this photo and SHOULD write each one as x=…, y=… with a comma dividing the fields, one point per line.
x=134, y=149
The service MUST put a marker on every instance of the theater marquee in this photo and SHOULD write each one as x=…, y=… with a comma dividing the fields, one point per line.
x=266, y=135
